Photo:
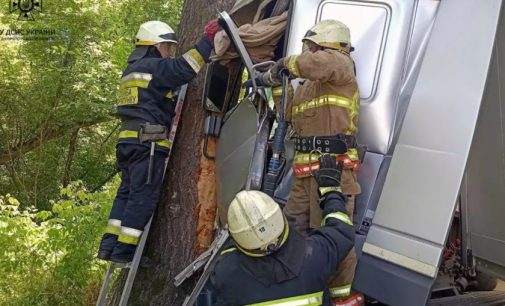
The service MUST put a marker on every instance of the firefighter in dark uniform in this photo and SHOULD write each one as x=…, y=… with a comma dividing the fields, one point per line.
x=147, y=104
x=270, y=263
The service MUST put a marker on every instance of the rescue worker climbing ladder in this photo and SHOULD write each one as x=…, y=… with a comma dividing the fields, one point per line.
x=324, y=114
x=146, y=108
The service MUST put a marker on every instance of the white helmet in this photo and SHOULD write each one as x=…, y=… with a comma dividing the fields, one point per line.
x=331, y=34
x=256, y=223
x=153, y=32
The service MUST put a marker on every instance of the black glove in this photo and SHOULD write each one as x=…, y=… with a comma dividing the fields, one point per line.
x=329, y=174
x=271, y=77
x=259, y=82
x=278, y=70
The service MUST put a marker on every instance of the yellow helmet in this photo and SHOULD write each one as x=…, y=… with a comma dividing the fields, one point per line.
x=256, y=223
x=153, y=32
x=331, y=34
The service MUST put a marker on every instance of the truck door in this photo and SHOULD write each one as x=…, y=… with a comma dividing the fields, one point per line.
x=412, y=70
x=403, y=248
x=483, y=189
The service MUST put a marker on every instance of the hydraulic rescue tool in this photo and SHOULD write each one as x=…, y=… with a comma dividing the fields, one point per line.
x=276, y=163
x=206, y=260
x=254, y=181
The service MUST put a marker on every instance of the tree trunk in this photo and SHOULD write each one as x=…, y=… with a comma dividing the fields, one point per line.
x=183, y=221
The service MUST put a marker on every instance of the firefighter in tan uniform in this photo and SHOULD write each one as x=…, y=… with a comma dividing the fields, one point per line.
x=324, y=115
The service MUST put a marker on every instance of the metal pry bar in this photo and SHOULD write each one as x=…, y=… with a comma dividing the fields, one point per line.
x=221, y=238
x=231, y=29
x=201, y=260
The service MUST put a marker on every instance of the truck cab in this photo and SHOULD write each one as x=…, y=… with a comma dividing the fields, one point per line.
x=429, y=219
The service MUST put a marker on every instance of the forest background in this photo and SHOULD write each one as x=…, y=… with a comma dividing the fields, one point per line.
x=59, y=77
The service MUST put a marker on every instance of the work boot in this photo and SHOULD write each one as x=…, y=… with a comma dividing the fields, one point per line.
x=123, y=252
x=354, y=299
x=107, y=244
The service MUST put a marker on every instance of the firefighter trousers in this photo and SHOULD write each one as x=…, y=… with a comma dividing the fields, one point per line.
x=135, y=200
x=304, y=213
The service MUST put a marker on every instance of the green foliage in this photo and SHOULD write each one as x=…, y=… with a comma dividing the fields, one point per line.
x=63, y=88
x=56, y=96
x=47, y=257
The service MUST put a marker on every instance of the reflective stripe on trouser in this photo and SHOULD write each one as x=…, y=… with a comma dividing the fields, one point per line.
x=342, y=291
x=303, y=212
x=135, y=201
x=113, y=227
x=306, y=163
x=345, y=272
x=313, y=299
x=337, y=215
x=129, y=235
x=126, y=134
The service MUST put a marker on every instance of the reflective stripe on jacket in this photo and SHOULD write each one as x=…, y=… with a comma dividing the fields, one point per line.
x=326, y=103
x=148, y=85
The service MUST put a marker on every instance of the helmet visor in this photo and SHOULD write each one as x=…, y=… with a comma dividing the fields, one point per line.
x=169, y=37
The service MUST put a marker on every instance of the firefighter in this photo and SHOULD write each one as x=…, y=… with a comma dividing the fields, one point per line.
x=146, y=107
x=324, y=114
x=269, y=263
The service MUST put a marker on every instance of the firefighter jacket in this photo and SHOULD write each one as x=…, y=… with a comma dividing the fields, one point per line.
x=326, y=103
x=149, y=82
x=298, y=271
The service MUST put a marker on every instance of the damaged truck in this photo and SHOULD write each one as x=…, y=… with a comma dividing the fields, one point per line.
x=429, y=220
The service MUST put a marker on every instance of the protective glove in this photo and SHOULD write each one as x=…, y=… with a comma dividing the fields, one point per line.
x=278, y=70
x=211, y=29
x=329, y=175
x=260, y=81
x=272, y=77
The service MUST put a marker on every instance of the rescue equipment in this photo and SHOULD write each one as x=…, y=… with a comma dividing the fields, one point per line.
x=155, y=134
x=152, y=133
x=344, y=148
x=206, y=260
x=338, y=144
x=277, y=161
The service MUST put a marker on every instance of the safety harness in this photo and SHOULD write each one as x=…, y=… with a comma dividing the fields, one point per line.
x=338, y=144
x=145, y=132
x=155, y=134
x=308, y=150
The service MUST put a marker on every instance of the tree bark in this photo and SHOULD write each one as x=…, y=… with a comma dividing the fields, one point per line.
x=183, y=220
